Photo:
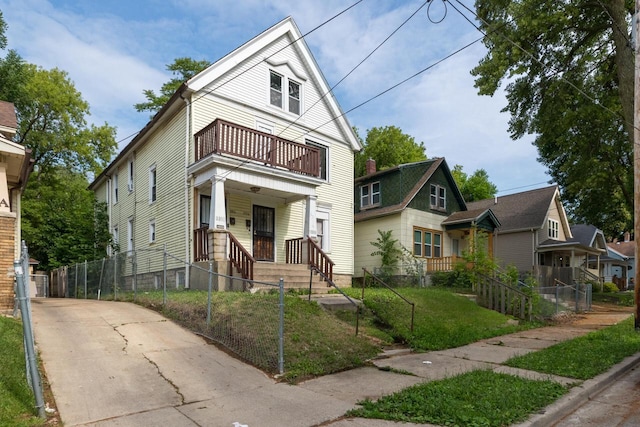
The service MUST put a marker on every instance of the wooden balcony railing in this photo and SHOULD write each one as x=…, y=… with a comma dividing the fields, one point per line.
x=222, y=137
x=446, y=263
x=240, y=258
x=201, y=244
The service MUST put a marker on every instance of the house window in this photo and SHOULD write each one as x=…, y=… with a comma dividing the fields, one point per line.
x=553, y=228
x=130, y=244
x=427, y=243
x=152, y=231
x=152, y=184
x=322, y=226
x=294, y=97
x=115, y=188
x=323, y=158
x=438, y=197
x=205, y=211
x=277, y=85
x=370, y=195
x=130, y=182
x=275, y=89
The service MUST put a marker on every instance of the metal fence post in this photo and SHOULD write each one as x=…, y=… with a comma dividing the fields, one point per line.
x=164, y=274
x=135, y=275
x=85, y=279
x=209, y=292
x=115, y=276
x=281, y=329
x=75, y=295
x=28, y=340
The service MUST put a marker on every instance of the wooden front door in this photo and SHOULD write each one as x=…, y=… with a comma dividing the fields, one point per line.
x=263, y=233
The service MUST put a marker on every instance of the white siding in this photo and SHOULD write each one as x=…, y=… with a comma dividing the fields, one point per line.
x=367, y=232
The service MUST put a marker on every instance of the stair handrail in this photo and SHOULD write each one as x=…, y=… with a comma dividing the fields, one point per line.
x=502, y=301
x=381, y=282
x=240, y=258
x=318, y=259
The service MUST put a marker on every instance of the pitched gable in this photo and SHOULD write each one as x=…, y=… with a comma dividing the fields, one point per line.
x=280, y=49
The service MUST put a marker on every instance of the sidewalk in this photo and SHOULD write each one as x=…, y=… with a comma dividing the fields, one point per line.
x=118, y=364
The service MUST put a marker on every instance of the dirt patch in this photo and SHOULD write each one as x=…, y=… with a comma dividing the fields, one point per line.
x=602, y=314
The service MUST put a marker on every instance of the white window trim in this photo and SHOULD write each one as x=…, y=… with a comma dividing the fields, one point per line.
x=437, y=206
x=130, y=234
x=285, y=108
x=130, y=172
x=323, y=213
x=265, y=126
x=370, y=204
x=152, y=231
x=553, y=229
x=115, y=188
x=153, y=182
x=321, y=145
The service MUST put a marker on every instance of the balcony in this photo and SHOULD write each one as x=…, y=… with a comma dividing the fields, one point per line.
x=222, y=137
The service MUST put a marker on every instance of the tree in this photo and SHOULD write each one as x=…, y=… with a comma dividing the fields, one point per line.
x=569, y=67
x=389, y=252
x=474, y=187
x=62, y=222
x=389, y=147
x=3, y=30
x=183, y=69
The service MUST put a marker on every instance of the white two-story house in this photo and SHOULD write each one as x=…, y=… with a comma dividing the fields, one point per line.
x=249, y=165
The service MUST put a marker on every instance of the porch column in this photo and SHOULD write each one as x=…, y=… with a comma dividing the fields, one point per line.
x=310, y=220
x=217, y=214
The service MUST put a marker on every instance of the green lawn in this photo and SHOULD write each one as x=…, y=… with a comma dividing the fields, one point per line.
x=17, y=402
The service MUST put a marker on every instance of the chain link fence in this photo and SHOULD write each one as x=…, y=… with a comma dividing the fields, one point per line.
x=564, y=298
x=250, y=324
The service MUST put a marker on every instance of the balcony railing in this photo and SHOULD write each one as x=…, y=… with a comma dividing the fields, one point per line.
x=222, y=137
x=446, y=263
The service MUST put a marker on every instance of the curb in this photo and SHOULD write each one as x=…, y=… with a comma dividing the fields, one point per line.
x=581, y=394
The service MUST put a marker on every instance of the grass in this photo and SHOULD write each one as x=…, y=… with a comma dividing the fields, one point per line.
x=442, y=319
x=17, y=402
x=624, y=299
x=477, y=398
x=584, y=357
x=314, y=342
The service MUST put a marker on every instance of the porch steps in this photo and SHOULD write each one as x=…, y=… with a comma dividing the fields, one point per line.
x=295, y=276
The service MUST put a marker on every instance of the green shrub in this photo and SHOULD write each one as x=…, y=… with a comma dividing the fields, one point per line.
x=609, y=287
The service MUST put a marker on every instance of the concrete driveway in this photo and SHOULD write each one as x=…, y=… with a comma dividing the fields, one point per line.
x=118, y=364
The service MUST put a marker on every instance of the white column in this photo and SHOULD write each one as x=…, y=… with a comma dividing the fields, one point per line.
x=310, y=221
x=5, y=202
x=218, y=214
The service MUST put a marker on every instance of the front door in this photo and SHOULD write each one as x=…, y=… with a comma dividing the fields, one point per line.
x=263, y=233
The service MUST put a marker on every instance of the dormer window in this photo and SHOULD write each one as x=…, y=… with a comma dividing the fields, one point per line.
x=277, y=85
x=370, y=195
x=438, y=197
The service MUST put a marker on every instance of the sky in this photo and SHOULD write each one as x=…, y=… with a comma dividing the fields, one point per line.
x=114, y=49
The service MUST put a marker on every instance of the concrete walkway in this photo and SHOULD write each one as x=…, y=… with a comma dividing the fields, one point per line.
x=118, y=364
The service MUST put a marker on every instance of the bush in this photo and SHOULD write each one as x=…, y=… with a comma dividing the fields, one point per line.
x=609, y=287
x=459, y=278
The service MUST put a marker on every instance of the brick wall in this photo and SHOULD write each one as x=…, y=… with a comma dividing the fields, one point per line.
x=7, y=255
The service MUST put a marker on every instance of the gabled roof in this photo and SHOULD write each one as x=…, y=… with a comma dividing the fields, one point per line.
x=8, y=120
x=588, y=235
x=286, y=27
x=471, y=217
x=524, y=211
x=283, y=28
x=627, y=249
x=431, y=166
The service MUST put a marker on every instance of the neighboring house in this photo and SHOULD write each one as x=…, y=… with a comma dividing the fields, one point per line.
x=14, y=172
x=423, y=207
x=248, y=161
x=614, y=266
x=536, y=238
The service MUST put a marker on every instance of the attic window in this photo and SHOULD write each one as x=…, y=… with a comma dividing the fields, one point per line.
x=292, y=101
x=370, y=195
x=438, y=197
x=553, y=227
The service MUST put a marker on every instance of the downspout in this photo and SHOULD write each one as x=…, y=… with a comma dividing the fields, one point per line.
x=187, y=127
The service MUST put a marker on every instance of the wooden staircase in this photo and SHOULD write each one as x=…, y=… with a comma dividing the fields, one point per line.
x=295, y=276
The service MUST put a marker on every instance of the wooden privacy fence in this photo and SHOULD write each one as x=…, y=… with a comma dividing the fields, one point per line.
x=495, y=295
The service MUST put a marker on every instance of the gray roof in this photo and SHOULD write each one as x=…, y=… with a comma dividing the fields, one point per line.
x=587, y=235
x=526, y=210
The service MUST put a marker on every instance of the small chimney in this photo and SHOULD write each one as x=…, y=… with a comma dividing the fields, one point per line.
x=370, y=166
x=627, y=236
